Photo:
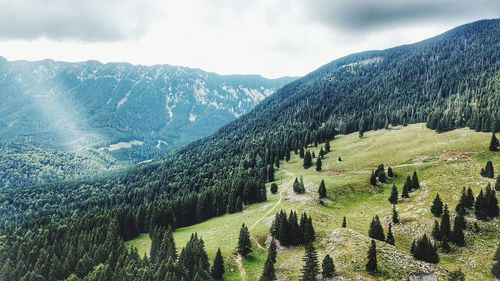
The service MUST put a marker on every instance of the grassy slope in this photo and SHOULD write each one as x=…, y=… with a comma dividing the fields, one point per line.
x=411, y=148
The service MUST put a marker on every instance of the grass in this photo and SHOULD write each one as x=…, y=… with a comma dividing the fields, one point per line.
x=444, y=162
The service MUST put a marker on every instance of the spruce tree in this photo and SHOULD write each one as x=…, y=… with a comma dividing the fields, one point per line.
x=406, y=188
x=327, y=146
x=376, y=231
x=318, y=164
x=373, y=179
x=414, y=181
x=491, y=203
x=469, y=202
x=218, y=266
x=371, y=265
x=480, y=206
x=458, y=233
x=322, y=189
x=272, y=250
x=344, y=222
x=495, y=269
x=394, y=195
x=436, y=231
x=321, y=153
x=445, y=224
x=274, y=188
x=244, y=244
x=307, y=160
x=423, y=249
x=390, y=237
x=269, y=273
x=328, y=268
x=390, y=173
x=437, y=206
x=395, y=216
x=488, y=170
x=494, y=143
x=311, y=268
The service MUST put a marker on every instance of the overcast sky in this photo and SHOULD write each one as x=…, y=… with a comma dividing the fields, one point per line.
x=269, y=37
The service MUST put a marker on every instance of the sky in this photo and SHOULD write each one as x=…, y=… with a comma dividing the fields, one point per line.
x=269, y=37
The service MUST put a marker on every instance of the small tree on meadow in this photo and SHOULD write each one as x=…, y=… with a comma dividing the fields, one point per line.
x=437, y=206
x=376, y=231
x=218, y=266
x=371, y=265
x=318, y=164
x=322, y=189
x=494, y=143
x=311, y=268
x=328, y=268
x=395, y=216
x=274, y=188
x=390, y=237
x=244, y=244
x=394, y=195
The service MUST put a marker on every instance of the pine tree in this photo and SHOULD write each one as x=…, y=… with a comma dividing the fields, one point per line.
x=395, y=216
x=318, y=164
x=437, y=206
x=218, y=266
x=298, y=187
x=274, y=188
x=423, y=249
x=445, y=224
x=339, y=159
x=307, y=160
x=311, y=268
x=414, y=181
x=390, y=173
x=328, y=268
x=373, y=179
x=244, y=243
x=406, y=188
x=269, y=273
x=495, y=269
x=480, y=206
x=371, y=265
x=272, y=250
x=327, y=146
x=494, y=143
x=491, y=203
x=488, y=170
x=344, y=222
x=469, y=202
x=458, y=233
x=394, y=195
x=322, y=189
x=376, y=231
x=390, y=237
x=436, y=231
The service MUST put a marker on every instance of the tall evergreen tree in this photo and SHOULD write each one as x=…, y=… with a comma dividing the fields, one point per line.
x=491, y=203
x=469, y=202
x=458, y=231
x=371, y=265
x=244, y=244
x=373, y=179
x=480, y=206
x=437, y=206
x=269, y=273
x=318, y=164
x=445, y=224
x=494, y=143
x=395, y=216
x=344, y=222
x=311, y=268
x=322, y=189
x=414, y=181
x=307, y=160
x=488, y=170
x=394, y=195
x=327, y=146
x=218, y=266
x=390, y=237
x=390, y=173
x=328, y=268
x=272, y=252
x=376, y=231
x=436, y=231
x=406, y=188
x=423, y=249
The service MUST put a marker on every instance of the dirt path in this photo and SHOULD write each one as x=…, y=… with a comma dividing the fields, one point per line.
x=238, y=261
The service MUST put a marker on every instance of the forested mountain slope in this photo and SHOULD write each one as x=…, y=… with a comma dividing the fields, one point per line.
x=452, y=79
x=129, y=112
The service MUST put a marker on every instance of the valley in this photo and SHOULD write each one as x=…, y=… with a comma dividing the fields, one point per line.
x=350, y=195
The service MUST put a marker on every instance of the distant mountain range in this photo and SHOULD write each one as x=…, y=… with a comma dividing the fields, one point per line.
x=130, y=112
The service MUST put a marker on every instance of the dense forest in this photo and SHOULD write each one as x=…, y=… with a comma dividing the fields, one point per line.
x=449, y=81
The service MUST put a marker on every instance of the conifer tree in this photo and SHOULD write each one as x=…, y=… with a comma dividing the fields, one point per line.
x=394, y=195
x=344, y=222
x=272, y=250
x=390, y=173
x=395, y=216
x=373, y=179
x=322, y=189
x=445, y=224
x=491, y=203
x=437, y=206
x=376, y=231
x=307, y=160
x=244, y=244
x=469, y=202
x=269, y=273
x=495, y=269
x=328, y=268
x=339, y=159
x=414, y=181
x=390, y=237
x=327, y=146
x=371, y=265
x=458, y=233
x=494, y=143
x=311, y=268
x=381, y=177
x=318, y=164
x=218, y=266
x=321, y=153
x=313, y=155
x=480, y=206
x=488, y=170
x=423, y=249
x=406, y=188
x=436, y=231
x=274, y=188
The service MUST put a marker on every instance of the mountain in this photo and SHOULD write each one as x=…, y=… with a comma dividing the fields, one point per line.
x=447, y=82
x=129, y=112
